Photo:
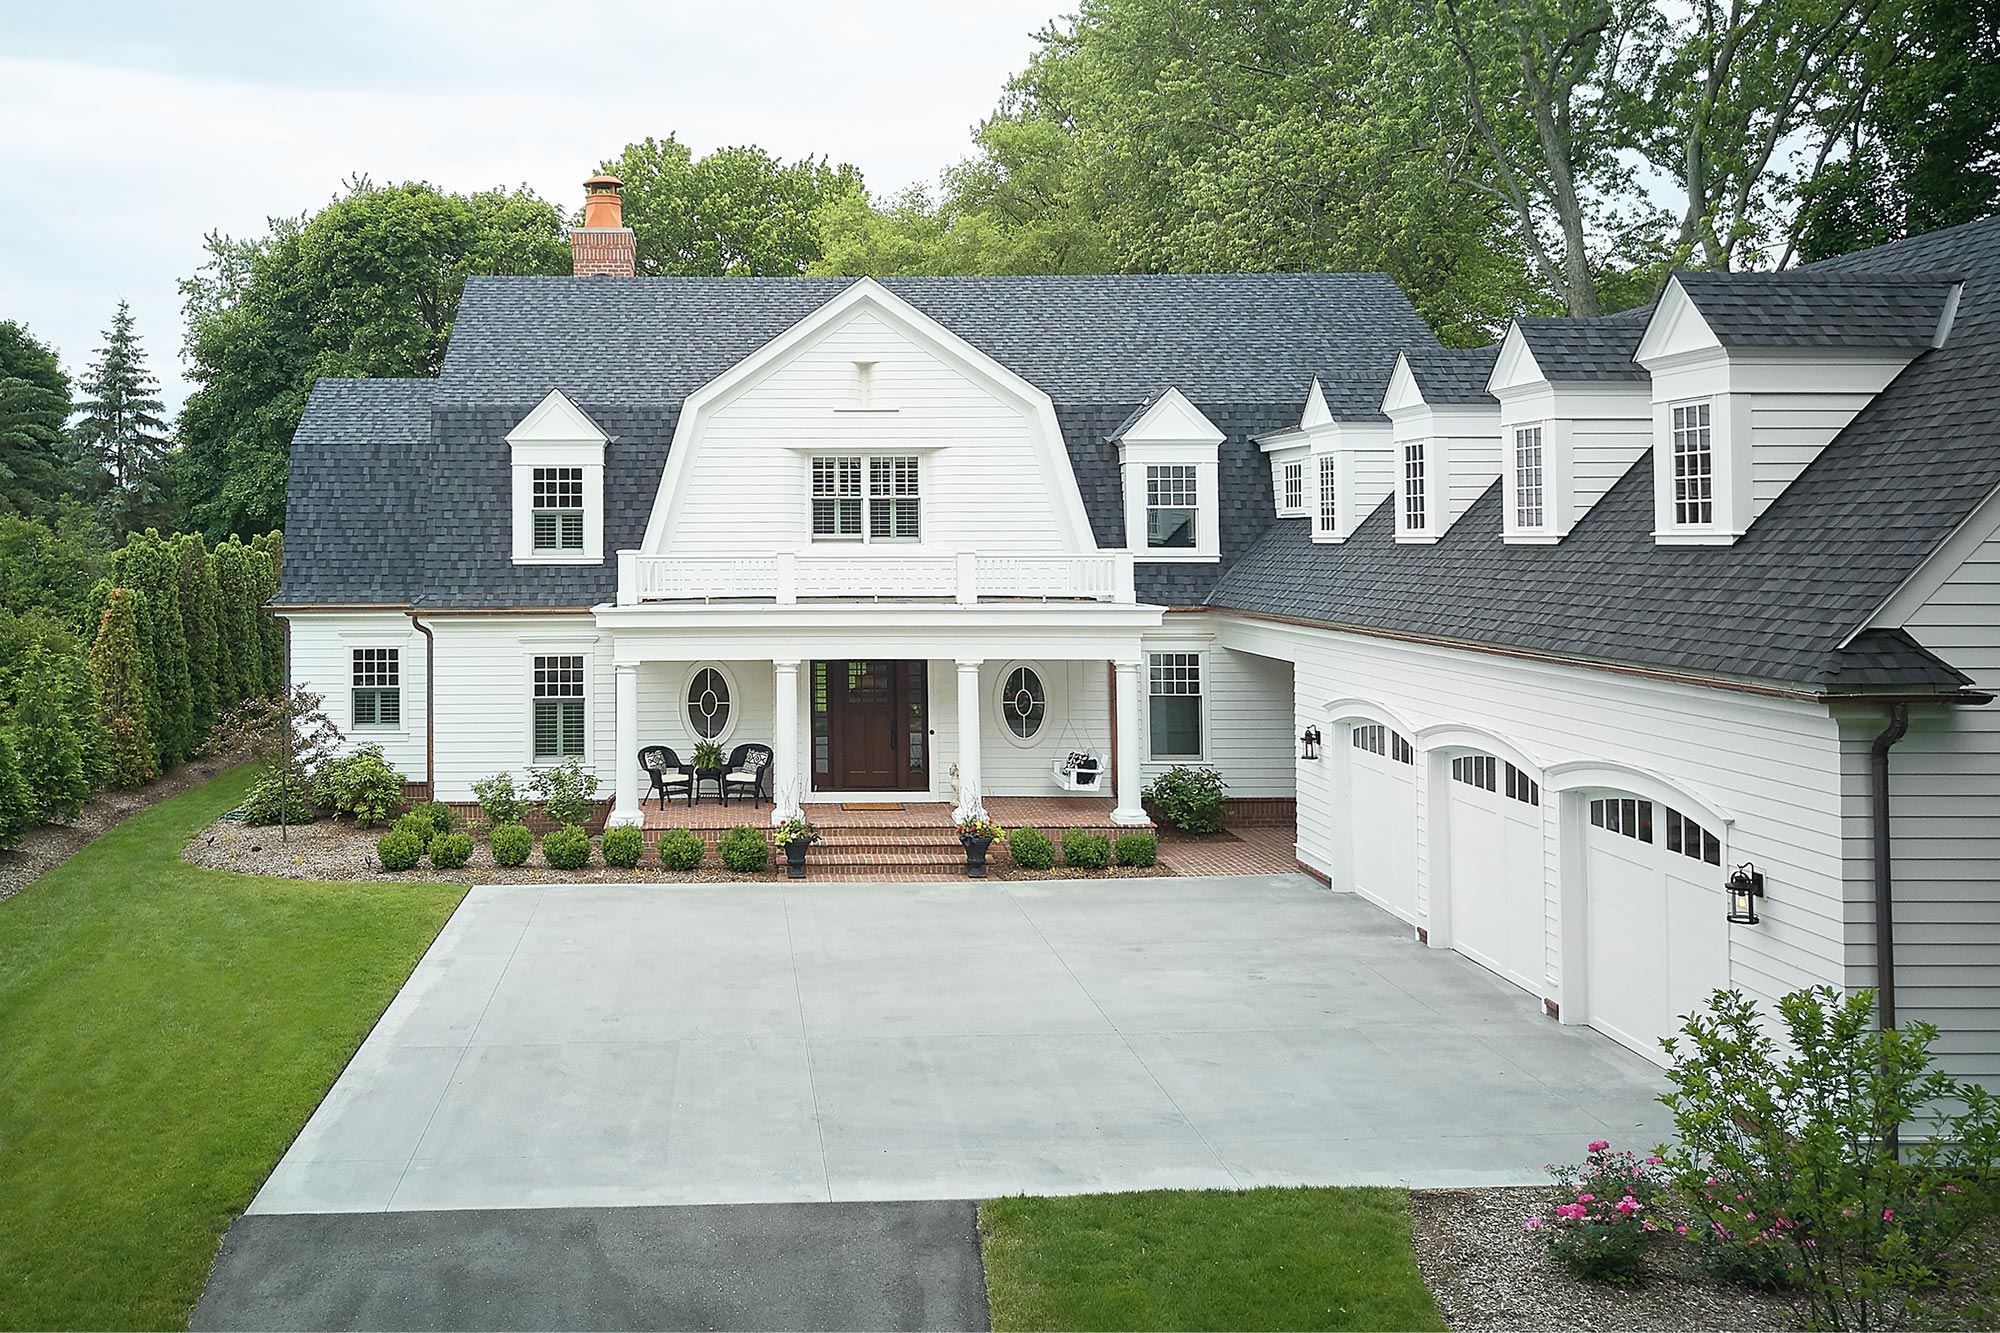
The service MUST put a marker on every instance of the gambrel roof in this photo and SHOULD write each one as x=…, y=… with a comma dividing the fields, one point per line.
x=1778, y=603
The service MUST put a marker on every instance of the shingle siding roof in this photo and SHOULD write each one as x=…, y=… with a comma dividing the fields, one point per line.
x=1446, y=376
x=1815, y=308
x=1586, y=349
x=1774, y=606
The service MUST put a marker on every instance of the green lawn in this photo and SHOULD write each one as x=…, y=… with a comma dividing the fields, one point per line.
x=1205, y=1259
x=164, y=1034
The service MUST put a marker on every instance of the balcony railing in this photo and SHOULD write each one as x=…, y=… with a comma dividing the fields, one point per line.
x=789, y=577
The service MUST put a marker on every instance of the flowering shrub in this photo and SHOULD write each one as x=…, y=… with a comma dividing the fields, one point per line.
x=978, y=826
x=498, y=801
x=1604, y=1221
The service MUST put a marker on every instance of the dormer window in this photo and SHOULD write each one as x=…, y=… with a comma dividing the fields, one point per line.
x=1529, y=511
x=558, y=511
x=1171, y=506
x=1295, y=487
x=1416, y=511
x=1329, y=493
x=1694, y=465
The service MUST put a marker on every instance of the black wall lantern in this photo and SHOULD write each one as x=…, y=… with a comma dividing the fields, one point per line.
x=1746, y=886
x=1309, y=743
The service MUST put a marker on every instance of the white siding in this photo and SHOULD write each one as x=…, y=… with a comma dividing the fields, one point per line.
x=1079, y=695
x=663, y=714
x=983, y=476
x=1475, y=465
x=485, y=694
x=1247, y=730
x=323, y=662
x=1770, y=763
x=1787, y=431
x=1603, y=449
x=1944, y=783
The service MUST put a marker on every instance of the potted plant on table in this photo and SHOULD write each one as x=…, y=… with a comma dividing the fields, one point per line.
x=976, y=833
x=795, y=835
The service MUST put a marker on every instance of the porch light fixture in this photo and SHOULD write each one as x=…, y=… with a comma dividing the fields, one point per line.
x=1309, y=743
x=1746, y=886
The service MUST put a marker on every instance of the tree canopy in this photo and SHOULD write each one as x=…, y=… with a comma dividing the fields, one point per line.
x=35, y=474
x=121, y=439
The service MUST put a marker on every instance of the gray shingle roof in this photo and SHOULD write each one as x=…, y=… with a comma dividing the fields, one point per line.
x=1815, y=308
x=356, y=488
x=1355, y=397
x=1447, y=376
x=1587, y=349
x=1775, y=605
x=394, y=412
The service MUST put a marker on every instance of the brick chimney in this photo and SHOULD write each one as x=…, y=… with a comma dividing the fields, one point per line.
x=603, y=244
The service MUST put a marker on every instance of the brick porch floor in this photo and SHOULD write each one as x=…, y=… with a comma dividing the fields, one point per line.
x=1043, y=812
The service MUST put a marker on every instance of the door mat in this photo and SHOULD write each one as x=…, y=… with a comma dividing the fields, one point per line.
x=871, y=805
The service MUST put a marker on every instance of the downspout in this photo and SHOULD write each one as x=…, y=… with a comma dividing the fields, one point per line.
x=430, y=706
x=1885, y=903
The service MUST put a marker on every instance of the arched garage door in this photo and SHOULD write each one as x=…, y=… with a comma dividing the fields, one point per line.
x=1655, y=928
x=1382, y=823
x=1498, y=912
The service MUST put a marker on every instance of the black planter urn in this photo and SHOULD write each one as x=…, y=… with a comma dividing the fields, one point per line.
x=975, y=855
x=795, y=858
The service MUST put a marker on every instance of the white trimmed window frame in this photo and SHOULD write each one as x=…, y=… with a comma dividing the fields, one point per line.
x=1328, y=491
x=1552, y=433
x=1204, y=694
x=1051, y=706
x=1678, y=390
x=1419, y=459
x=1292, y=485
x=686, y=702
x=379, y=671
x=587, y=456
x=559, y=647
x=870, y=468
x=1138, y=457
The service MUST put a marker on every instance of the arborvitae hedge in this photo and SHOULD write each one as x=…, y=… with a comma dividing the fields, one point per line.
x=151, y=565
x=50, y=753
x=198, y=607
x=117, y=673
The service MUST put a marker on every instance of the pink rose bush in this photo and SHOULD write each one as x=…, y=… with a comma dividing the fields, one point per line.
x=1604, y=1221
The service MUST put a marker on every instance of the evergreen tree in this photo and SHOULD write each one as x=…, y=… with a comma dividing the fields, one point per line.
x=123, y=429
x=34, y=405
x=198, y=617
x=151, y=565
x=116, y=674
x=239, y=666
x=16, y=815
x=266, y=567
x=50, y=757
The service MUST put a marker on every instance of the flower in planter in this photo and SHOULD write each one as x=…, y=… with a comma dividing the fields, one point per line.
x=978, y=826
x=794, y=830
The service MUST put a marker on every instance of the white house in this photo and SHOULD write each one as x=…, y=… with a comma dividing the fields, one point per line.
x=1548, y=640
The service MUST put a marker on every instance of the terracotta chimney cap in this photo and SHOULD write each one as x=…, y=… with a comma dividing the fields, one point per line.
x=602, y=206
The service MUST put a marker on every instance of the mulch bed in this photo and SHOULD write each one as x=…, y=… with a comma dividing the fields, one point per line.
x=330, y=851
x=1487, y=1273
x=47, y=847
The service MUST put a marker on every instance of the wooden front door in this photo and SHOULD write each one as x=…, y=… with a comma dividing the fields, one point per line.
x=871, y=726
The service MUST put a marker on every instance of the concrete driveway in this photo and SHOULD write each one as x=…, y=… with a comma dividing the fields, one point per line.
x=610, y=1046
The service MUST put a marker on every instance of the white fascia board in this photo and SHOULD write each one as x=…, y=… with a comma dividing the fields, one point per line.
x=696, y=631
x=1287, y=441
x=1315, y=412
x=1675, y=328
x=1515, y=366
x=1173, y=420
x=1937, y=568
x=1059, y=476
x=557, y=420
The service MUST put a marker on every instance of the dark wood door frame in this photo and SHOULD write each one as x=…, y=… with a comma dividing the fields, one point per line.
x=877, y=726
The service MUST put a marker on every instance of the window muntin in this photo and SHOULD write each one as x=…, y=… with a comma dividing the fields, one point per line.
x=1416, y=506
x=558, y=708
x=1694, y=465
x=1528, y=510
x=1171, y=507
x=836, y=498
x=1691, y=839
x=893, y=501
x=1294, y=487
x=557, y=509
x=1024, y=703
x=889, y=508
x=708, y=704
x=1174, y=704
x=1378, y=739
x=378, y=687
x=1329, y=493
x=1486, y=771
x=1629, y=816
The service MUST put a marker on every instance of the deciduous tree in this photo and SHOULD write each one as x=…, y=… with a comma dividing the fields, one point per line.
x=736, y=211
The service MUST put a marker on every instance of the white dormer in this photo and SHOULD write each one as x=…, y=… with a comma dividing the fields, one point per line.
x=558, y=485
x=1169, y=456
x=1343, y=466
x=1753, y=374
x=1568, y=429
x=1445, y=450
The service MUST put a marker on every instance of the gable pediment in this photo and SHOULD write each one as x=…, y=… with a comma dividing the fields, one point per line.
x=557, y=420
x=1172, y=419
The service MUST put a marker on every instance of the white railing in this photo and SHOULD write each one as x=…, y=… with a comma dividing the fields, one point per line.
x=788, y=577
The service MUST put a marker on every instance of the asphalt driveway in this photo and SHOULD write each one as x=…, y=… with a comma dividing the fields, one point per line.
x=595, y=1046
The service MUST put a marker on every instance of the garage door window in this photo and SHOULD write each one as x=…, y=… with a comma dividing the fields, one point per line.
x=1485, y=771
x=1691, y=839
x=1632, y=818
x=1378, y=739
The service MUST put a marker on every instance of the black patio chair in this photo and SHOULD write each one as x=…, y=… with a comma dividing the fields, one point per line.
x=669, y=775
x=748, y=770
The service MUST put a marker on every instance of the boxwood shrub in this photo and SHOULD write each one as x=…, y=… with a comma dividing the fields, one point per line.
x=1188, y=798
x=1136, y=849
x=682, y=849
x=622, y=847
x=449, y=851
x=436, y=813
x=567, y=848
x=1085, y=850
x=418, y=827
x=1032, y=849
x=511, y=844
x=398, y=849
x=743, y=849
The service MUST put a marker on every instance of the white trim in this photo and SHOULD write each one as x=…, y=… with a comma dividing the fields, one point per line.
x=1448, y=737
x=1937, y=568
x=1201, y=655
x=1049, y=718
x=556, y=434
x=1315, y=412
x=1346, y=710
x=1059, y=479
x=1581, y=775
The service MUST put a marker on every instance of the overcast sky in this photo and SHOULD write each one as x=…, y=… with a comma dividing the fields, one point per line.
x=129, y=128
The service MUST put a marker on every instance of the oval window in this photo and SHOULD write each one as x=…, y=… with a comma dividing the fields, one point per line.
x=1024, y=702
x=708, y=704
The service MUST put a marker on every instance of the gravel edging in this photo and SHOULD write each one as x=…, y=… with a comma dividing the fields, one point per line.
x=46, y=847
x=1486, y=1273
x=326, y=850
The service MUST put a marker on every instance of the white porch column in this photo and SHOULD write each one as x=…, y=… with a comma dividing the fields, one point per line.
x=786, y=786
x=625, y=807
x=1128, y=810
x=971, y=791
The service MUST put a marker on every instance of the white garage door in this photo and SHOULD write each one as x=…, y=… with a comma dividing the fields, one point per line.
x=1383, y=818
x=1498, y=916
x=1655, y=928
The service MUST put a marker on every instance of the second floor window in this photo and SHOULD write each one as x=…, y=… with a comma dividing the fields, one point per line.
x=1295, y=487
x=1416, y=511
x=1170, y=506
x=1528, y=477
x=1694, y=465
x=558, y=509
x=1329, y=493
x=867, y=498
